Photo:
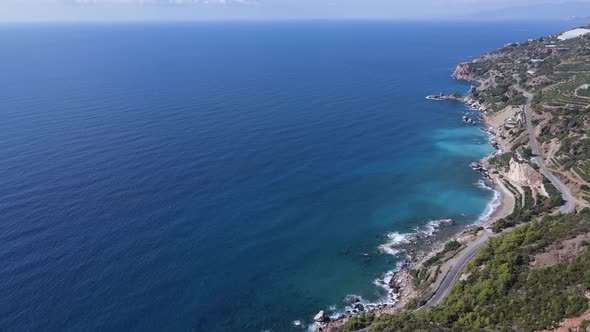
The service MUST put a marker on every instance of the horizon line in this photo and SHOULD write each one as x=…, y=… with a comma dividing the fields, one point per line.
x=287, y=20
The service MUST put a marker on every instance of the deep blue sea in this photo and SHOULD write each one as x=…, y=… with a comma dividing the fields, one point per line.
x=225, y=176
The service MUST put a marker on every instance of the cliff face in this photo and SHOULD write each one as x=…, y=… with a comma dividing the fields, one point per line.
x=465, y=73
x=523, y=175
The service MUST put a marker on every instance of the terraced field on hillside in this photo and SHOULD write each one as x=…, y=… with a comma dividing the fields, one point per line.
x=563, y=94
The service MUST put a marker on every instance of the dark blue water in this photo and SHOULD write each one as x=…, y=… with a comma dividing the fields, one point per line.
x=224, y=177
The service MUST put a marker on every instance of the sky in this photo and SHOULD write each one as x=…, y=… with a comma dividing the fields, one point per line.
x=166, y=10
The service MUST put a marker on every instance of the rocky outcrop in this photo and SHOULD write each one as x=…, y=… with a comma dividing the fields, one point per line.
x=523, y=175
x=480, y=168
x=442, y=96
x=320, y=317
x=468, y=120
x=464, y=72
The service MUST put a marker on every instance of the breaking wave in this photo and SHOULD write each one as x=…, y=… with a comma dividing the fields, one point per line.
x=492, y=206
x=397, y=242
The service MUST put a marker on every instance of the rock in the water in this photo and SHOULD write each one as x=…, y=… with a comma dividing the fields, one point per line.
x=320, y=317
x=354, y=299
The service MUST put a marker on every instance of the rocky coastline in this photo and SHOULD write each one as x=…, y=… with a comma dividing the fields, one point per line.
x=527, y=95
x=442, y=96
x=415, y=254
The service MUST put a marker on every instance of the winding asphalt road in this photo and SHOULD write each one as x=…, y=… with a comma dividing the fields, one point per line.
x=465, y=256
x=451, y=278
x=565, y=192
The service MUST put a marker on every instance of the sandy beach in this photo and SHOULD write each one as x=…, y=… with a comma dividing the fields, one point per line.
x=506, y=205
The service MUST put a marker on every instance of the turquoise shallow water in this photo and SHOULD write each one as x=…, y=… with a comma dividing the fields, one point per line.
x=225, y=177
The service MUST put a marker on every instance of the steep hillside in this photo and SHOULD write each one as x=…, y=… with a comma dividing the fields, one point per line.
x=556, y=69
x=532, y=278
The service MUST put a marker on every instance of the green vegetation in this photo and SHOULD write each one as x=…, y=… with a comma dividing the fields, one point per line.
x=482, y=67
x=451, y=246
x=586, y=189
x=521, y=213
x=584, y=92
x=577, y=152
x=501, y=161
x=583, y=170
x=533, y=206
x=500, y=95
x=517, y=99
x=500, y=290
x=555, y=198
x=358, y=322
x=573, y=67
x=564, y=93
x=423, y=274
x=526, y=153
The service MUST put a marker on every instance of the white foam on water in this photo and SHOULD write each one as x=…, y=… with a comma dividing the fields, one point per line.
x=395, y=246
x=492, y=206
x=386, y=279
x=433, y=226
x=481, y=184
x=396, y=240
